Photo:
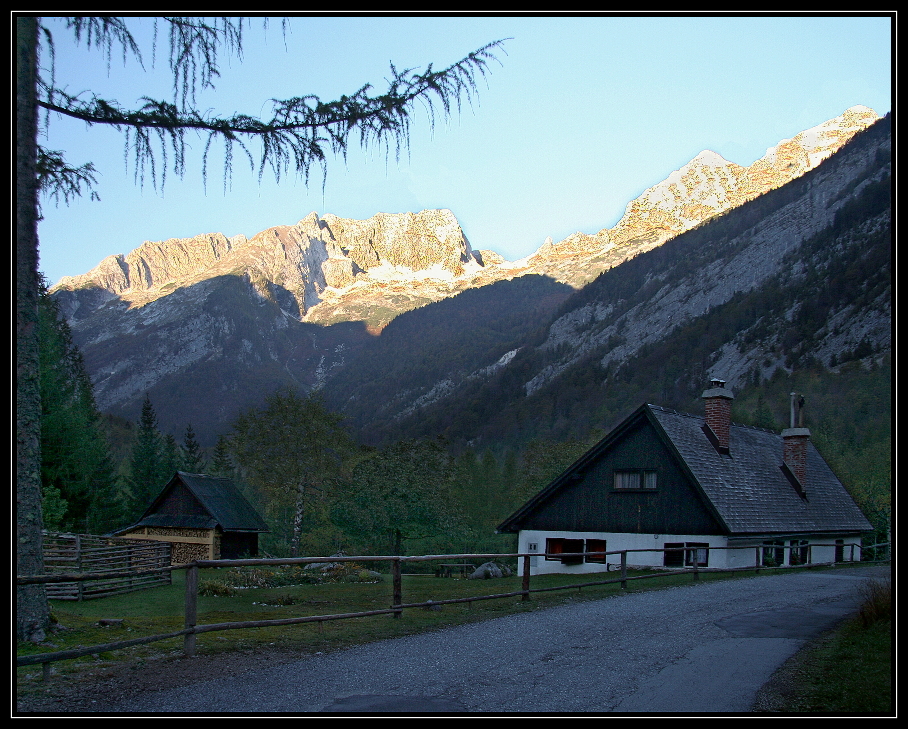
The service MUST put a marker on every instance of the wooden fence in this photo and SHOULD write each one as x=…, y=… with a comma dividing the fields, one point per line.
x=191, y=629
x=85, y=553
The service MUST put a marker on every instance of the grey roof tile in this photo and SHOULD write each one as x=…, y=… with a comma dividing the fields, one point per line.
x=747, y=487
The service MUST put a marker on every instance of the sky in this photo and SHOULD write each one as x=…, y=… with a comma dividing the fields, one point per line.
x=578, y=117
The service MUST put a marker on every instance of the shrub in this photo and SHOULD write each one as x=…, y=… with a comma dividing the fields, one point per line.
x=283, y=576
x=213, y=588
x=877, y=603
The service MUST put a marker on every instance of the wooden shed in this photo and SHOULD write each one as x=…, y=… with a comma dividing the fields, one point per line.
x=202, y=517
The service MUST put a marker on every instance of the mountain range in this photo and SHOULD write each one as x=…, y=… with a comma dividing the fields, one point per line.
x=401, y=323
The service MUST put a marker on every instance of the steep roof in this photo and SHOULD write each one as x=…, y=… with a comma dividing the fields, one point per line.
x=746, y=490
x=223, y=503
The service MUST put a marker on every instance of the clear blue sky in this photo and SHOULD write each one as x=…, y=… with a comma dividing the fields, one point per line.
x=582, y=115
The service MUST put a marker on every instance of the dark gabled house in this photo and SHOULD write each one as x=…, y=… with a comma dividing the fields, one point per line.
x=202, y=517
x=665, y=480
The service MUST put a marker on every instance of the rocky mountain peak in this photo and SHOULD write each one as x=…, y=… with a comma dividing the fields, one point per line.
x=704, y=187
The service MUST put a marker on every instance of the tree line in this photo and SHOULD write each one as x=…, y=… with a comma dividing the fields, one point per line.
x=318, y=489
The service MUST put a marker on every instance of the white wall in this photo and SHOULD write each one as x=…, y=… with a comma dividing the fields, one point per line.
x=614, y=541
x=744, y=555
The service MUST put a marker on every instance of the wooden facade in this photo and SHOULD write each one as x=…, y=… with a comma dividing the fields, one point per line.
x=202, y=517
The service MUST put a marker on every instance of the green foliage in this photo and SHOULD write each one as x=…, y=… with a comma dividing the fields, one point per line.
x=221, y=463
x=293, y=450
x=399, y=494
x=148, y=468
x=78, y=485
x=192, y=458
x=215, y=588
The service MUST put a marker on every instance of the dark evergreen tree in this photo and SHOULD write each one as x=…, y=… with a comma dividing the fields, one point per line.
x=76, y=472
x=221, y=462
x=171, y=459
x=147, y=462
x=193, y=459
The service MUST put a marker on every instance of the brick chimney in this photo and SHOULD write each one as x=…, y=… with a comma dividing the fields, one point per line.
x=718, y=415
x=794, y=442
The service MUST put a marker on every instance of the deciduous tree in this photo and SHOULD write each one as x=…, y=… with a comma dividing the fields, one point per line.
x=292, y=450
x=398, y=494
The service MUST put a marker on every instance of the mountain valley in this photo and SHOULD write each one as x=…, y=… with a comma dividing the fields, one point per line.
x=719, y=270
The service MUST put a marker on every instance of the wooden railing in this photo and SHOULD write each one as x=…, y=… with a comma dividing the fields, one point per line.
x=78, y=553
x=191, y=629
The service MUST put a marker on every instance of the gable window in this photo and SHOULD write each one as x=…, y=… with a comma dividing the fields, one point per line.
x=636, y=479
x=556, y=547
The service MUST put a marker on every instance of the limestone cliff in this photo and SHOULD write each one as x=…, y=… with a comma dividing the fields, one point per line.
x=706, y=186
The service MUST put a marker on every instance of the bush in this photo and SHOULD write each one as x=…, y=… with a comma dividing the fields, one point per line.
x=213, y=588
x=284, y=576
x=877, y=603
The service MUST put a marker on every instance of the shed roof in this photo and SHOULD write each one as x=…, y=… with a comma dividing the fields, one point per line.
x=221, y=499
x=746, y=490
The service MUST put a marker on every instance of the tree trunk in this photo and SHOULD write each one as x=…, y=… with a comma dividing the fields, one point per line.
x=32, y=612
x=297, y=526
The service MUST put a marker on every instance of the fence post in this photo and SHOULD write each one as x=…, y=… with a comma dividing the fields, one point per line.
x=526, y=578
x=397, y=597
x=624, y=570
x=191, y=608
x=80, y=585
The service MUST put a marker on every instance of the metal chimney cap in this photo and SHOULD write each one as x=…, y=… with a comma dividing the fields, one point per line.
x=715, y=382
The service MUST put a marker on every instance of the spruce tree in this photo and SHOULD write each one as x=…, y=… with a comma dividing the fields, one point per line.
x=193, y=459
x=221, y=462
x=171, y=459
x=147, y=462
x=77, y=476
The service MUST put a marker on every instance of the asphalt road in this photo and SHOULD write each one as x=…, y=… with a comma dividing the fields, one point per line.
x=694, y=649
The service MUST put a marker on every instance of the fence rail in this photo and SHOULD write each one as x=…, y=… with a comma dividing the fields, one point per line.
x=191, y=629
x=117, y=565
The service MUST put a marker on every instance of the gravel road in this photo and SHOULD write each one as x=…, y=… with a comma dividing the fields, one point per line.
x=693, y=649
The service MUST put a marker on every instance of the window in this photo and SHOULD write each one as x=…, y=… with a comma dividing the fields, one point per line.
x=675, y=556
x=556, y=547
x=698, y=552
x=800, y=552
x=635, y=480
x=683, y=554
x=773, y=553
x=597, y=546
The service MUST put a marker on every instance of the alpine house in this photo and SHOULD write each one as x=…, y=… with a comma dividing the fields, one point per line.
x=683, y=488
